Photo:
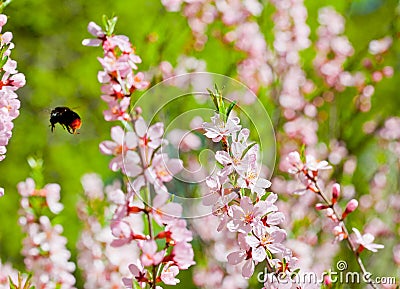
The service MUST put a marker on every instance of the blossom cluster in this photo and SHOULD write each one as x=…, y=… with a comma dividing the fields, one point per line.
x=139, y=155
x=333, y=52
x=302, y=101
x=307, y=172
x=11, y=80
x=138, y=152
x=6, y=272
x=119, y=62
x=102, y=265
x=239, y=197
x=44, y=247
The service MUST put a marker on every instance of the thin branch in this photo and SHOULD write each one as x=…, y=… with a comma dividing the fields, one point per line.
x=348, y=240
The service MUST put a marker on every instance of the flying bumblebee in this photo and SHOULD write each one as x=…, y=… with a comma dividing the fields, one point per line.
x=67, y=118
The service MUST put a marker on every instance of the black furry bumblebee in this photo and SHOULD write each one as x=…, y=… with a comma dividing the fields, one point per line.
x=68, y=119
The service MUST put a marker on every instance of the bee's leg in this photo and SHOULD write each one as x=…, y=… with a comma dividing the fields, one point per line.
x=69, y=129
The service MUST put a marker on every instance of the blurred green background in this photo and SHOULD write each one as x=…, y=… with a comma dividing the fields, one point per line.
x=61, y=72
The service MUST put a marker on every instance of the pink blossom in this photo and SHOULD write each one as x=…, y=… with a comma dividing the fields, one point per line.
x=388, y=71
x=116, y=66
x=139, y=274
x=164, y=211
x=366, y=241
x=380, y=46
x=162, y=170
x=6, y=269
x=303, y=129
x=51, y=193
x=224, y=211
x=246, y=215
x=234, y=159
x=93, y=186
x=137, y=81
x=53, y=198
x=6, y=37
x=250, y=178
x=390, y=130
x=101, y=265
x=314, y=165
x=120, y=41
x=182, y=255
x=244, y=254
x=172, y=5
x=168, y=274
x=216, y=191
x=340, y=235
x=3, y=20
x=334, y=21
x=208, y=277
x=149, y=136
x=95, y=30
x=117, y=110
x=265, y=238
x=150, y=256
x=123, y=224
x=178, y=232
x=123, y=147
x=307, y=172
x=121, y=228
x=218, y=129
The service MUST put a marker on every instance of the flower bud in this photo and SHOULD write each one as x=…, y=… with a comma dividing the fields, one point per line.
x=335, y=193
x=327, y=280
x=350, y=207
x=320, y=207
x=138, y=110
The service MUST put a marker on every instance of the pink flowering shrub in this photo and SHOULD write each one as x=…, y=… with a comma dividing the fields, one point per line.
x=238, y=195
x=102, y=265
x=138, y=153
x=44, y=247
x=331, y=200
x=308, y=173
x=118, y=77
x=11, y=81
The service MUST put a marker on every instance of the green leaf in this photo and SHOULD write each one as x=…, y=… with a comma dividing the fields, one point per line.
x=136, y=285
x=247, y=149
x=3, y=61
x=12, y=285
x=303, y=153
x=214, y=98
x=109, y=24
x=231, y=106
